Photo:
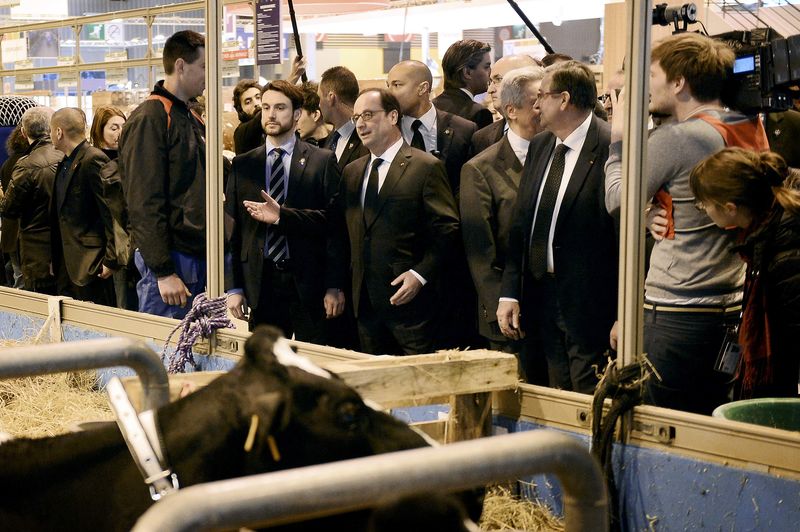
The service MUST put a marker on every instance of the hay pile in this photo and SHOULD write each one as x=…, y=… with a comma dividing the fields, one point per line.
x=49, y=404
x=502, y=510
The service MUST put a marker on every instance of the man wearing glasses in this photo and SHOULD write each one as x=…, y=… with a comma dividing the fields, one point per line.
x=402, y=222
x=561, y=267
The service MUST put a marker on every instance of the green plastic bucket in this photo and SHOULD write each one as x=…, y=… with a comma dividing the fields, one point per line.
x=777, y=413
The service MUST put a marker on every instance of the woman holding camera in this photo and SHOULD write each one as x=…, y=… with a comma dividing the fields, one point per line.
x=759, y=194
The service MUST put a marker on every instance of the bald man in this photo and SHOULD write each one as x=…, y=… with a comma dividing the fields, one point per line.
x=492, y=133
x=82, y=229
x=425, y=127
x=447, y=137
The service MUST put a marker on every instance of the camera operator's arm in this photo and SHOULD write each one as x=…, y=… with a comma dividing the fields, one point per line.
x=663, y=154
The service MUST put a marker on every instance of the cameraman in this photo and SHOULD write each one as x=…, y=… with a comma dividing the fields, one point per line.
x=693, y=289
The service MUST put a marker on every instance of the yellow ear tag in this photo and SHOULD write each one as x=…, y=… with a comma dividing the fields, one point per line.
x=251, y=435
x=273, y=448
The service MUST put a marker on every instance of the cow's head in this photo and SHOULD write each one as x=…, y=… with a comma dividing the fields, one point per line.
x=313, y=418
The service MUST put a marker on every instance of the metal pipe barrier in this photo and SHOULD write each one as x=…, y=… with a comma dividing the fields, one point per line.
x=306, y=493
x=91, y=354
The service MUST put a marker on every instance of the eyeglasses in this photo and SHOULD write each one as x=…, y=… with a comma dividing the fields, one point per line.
x=366, y=115
x=541, y=94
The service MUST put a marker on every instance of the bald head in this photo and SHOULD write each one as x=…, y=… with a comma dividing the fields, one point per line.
x=410, y=82
x=72, y=122
x=502, y=66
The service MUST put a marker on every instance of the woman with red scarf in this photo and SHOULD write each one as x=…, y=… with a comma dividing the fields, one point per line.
x=758, y=194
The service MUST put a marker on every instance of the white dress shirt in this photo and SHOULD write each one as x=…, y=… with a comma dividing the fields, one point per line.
x=427, y=129
x=519, y=145
x=345, y=132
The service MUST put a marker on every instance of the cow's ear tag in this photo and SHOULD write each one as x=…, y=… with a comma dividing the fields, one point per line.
x=251, y=434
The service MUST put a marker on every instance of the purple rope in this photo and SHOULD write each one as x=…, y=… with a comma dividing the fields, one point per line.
x=206, y=316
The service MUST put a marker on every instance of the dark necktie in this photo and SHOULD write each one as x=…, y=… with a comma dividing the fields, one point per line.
x=544, y=215
x=416, y=138
x=275, y=248
x=371, y=196
x=334, y=141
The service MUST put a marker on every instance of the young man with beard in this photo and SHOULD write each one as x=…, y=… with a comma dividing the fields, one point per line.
x=247, y=102
x=283, y=267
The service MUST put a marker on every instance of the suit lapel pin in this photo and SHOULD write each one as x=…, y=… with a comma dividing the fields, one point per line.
x=402, y=164
x=350, y=146
x=303, y=161
x=777, y=132
x=447, y=131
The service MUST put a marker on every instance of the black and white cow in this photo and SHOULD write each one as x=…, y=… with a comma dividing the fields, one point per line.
x=88, y=481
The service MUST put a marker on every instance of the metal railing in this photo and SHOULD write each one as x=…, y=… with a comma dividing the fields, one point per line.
x=91, y=354
x=311, y=492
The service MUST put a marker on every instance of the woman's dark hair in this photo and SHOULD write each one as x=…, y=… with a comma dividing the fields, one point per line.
x=16, y=143
x=754, y=180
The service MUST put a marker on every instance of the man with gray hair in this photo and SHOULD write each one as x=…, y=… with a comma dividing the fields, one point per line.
x=28, y=199
x=489, y=185
x=486, y=136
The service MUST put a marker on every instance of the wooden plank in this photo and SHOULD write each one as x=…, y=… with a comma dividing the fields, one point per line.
x=470, y=417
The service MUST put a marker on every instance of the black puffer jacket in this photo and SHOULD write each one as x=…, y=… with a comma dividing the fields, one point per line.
x=28, y=199
x=162, y=162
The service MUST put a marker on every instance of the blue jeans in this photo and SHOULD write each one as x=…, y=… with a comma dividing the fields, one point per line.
x=192, y=272
x=683, y=347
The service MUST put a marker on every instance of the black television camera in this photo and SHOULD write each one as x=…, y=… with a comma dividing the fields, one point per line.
x=766, y=68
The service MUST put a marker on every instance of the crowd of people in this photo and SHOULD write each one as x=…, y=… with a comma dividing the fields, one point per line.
x=394, y=222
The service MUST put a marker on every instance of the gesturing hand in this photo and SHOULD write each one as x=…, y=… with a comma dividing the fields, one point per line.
x=267, y=212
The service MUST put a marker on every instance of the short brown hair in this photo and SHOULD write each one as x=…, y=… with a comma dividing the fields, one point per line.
x=310, y=96
x=466, y=53
x=293, y=92
x=101, y=118
x=342, y=82
x=184, y=45
x=575, y=78
x=703, y=62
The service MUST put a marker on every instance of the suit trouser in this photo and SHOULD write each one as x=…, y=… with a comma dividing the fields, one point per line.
x=97, y=290
x=570, y=364
x=398, y=331
x=279, y=304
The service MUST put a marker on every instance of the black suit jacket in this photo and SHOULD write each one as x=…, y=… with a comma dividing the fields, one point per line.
x=83, y=230
x=354, y=149
x=313, y=182
x=489, y=186
x=248, y=135
x=457, y=102
x=416, y=227
x=486, y=136
x=585, y=245
x=453, y=145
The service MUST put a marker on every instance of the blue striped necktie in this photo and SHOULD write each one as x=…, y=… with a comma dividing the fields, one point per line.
x=275, y=248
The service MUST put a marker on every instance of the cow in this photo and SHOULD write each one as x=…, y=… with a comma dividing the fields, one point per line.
x=88, y=480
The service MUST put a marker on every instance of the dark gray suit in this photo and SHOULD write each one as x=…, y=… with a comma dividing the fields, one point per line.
x=453, y=145
x=416, y=227
x=582, y=295
x=354, y=149
x=459, y=103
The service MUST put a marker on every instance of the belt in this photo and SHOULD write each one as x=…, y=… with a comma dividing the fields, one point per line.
x=704, y=309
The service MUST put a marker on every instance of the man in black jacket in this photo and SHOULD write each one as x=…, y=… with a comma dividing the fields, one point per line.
x=466, y=66
x=277, y=197
x=84, y=256
x=28, y=199
x=162, y=163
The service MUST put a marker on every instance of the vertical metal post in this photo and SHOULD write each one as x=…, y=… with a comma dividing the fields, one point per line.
x=214, y=193
x=148, y=20
x=634, y=159
x=77, y=61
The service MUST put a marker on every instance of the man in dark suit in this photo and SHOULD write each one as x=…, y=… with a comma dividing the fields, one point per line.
x=402, y=222
x=466, y=66
x=277, y=197
x=486, y=136
x=783, y=132
x=447, y=137
x=425, y=127
x=338, y=90
x=84, y=257
x=489, y=185
x=562, y=253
